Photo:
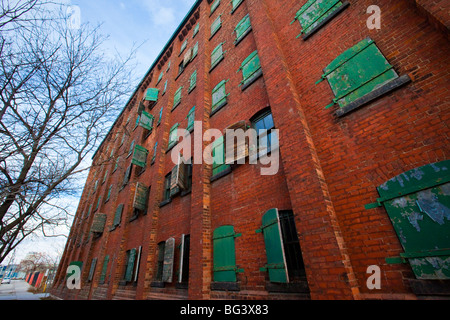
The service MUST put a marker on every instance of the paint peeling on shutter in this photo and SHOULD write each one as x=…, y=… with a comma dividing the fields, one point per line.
x=130, y=265
x=140, y=197
x=140, y=156
x=276, y=259
x=217, y=55
x=242, y=27
x=215, y=26
x=152, y=94
x=98, y=223
x=219, y=95
x=251, y=68
x=146, y=120
x=187, y=58
x=169, y=251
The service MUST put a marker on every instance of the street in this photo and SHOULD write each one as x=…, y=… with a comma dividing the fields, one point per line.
x=18, y=290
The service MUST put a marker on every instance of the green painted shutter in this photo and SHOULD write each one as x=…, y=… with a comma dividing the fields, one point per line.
x=108, y=195
x=169, y=252
x=98, y=223
x=130, y=150
x=196, y=29
x=276, y=260
x=194, y=51
x=242, y=27
x=357, y=72
x=160, y=115
x=92, y=269
x=316, y=11
x=177, y=97
x=154, y=151
x=418, y=205
x=130, y=265
x=146, y=120
x=183, y=46
x=218, y=153
x=191, y=119
x=140, y=197
x=215, y=26
x=219, y=95
x=193, y=81
x=140, y=156
x=250, y=67
x=224, y=254
x=104, y=269
x=127, y=175
x=118, y=215
x=173, y=136
x=160, y=77
x=165, y=86
x=235, y=4
x=214, y=6
x=216, y=55
x=152, y=94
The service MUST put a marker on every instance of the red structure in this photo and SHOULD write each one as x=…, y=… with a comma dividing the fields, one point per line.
x=149, y=229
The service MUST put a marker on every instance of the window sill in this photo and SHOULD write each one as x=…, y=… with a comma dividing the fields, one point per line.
x=157, y=284
x=225, y=286
x=215, y=32
x=220, y=106
x=220, y=174
x=250, y=81
x=325, y=21
x=215, y=64
x=165, y=202
x=293, y=287
x=384, y=89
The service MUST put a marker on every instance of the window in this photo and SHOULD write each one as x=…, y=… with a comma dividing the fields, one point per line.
x=181, y=68
x=92, y=269
x=215, y=26
x=196, y=29
x=167, y=187
x=105, y=177
x=98, y=204
x=165, y=87
x=117, y=216
x=160, y=263
x=146, y=121
x=108, y=195
x=284, y=258
x=154, y=152
x=418, y=205
x=235, y=4
x=360, y=75
x=104, y=270
x=263, y=124
x=160, y=116
x=193, y=81
x=214, y=6
x=140, y=156
x=160, y=77
x=242, y=29
x=127, y=176
x=177, y=98
x=173, y=136
x=183, y=46
x=251, y=69
x=316, y=13
x=117, y=164
x=218, y=154
x=130, y=265
x=216, y=56
x=140, y=199
x=219, y=96
x=183, y=274
x=194, y=51
x=152, y=95
x=191, y=119
x=130, y=150
x=224, y=254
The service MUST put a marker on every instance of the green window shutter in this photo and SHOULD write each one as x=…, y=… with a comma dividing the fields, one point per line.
x=218, y=153
x=104, y=269
x=127, y=175
x=173, y=136
x=215, y=26
x=191, y=119
x=169, y=253
x=146, y=120
x=140, y=156
x=251, y=68
x=177, y=97
x=108, y=195
x=196, y=29
x=130, y=150
x=235, y=4
x=92, y=269
x=140, y=197
x=214, y=6
x=224, y=254
x=98, y=223
x=165, y=87
x=117, y=164
x=193, y=81
x=276, y=260
x=418, y=205
x=160, y=77
x=242, y=27
x=118, y=215
x=105, y=177
x=152, y=94
x=219, y=95
x=357, y=72
x=217, y=55
x=160, y=115
x=194, y=51
x=89, y=211
x=154, y=152
x=130, y=265
x=314, y=12
x=183, y=46
x=98, y=203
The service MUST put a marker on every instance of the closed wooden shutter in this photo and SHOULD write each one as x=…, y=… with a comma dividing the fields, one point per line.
x=92, y=269
x=98, y=223
x=169, y=252
x=276, y=259
x=251, y=68
x=242, y=27
x=152, y=94
x=146, y=120
x=127, y=175
x=140, y=156
x=215, y=26
x=216, y=55
x=224, y=254
x=104, y=269
x=140, y=197
x=118, y=215
x=219, y=95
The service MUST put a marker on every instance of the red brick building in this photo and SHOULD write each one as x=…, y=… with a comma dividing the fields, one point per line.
x=363, y=117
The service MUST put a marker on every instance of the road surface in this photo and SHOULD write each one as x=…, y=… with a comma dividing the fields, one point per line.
x=18, y=290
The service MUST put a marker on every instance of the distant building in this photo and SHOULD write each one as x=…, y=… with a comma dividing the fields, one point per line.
x=359, y=207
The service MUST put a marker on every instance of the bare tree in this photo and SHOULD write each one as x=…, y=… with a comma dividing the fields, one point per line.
x=59, y=95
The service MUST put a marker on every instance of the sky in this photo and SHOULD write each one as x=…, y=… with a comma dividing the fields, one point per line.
x=145, y=24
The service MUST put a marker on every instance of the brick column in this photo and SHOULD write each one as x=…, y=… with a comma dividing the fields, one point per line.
x=328, y=266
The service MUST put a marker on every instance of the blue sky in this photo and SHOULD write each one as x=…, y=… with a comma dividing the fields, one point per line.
x=149, y=23
x=145, y=23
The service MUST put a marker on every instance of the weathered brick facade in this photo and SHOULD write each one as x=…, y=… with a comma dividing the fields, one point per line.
x=330, y=166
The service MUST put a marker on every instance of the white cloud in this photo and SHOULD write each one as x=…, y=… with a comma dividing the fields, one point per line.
x=158, y=13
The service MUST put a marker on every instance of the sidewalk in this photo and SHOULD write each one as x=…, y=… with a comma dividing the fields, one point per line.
x=18, y=290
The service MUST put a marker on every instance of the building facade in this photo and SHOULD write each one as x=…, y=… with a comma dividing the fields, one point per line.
x=357, y=96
